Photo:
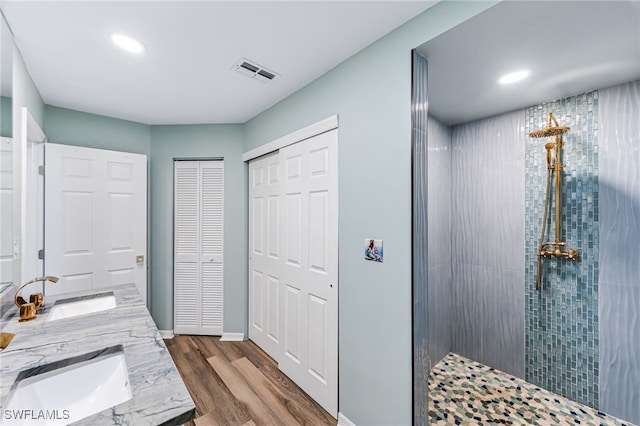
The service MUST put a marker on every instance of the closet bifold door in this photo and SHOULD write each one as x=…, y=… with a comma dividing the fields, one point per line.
x=198, y=247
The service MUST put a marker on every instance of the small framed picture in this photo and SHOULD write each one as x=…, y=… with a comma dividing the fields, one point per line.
x=373, y=250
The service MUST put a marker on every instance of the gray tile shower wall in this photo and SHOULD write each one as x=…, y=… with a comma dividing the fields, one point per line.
x=561, y=320
x=439, y=239
x=619, y=297
x=487, y=220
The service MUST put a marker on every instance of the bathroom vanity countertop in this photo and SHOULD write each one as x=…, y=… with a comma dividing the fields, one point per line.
x=159, y=395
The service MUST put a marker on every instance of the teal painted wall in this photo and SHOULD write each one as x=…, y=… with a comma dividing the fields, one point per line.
x=78, y=128
x=25, y=94
x=371, y=93
x=6, y=78
x=199, y=142
x=162, y=144
x=6, y=114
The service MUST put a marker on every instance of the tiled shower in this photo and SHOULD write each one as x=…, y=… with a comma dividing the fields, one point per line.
x=579, y=336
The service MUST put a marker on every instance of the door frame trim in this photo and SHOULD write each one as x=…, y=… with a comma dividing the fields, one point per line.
x=310, y=131
x=27, y=156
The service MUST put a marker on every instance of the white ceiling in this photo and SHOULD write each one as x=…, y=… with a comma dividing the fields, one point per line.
x=570, y=47
x=186, y=76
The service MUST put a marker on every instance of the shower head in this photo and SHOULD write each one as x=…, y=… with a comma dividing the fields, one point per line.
x=550, y=130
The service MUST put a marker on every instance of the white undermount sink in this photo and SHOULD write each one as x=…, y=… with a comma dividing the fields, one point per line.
x=81, y=306
x=78, y=388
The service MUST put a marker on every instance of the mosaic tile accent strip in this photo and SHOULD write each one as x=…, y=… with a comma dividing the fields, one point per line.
x=465, y=392
x=561, y=320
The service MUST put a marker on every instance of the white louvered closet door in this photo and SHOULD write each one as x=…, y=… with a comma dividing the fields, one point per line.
x=198, y=247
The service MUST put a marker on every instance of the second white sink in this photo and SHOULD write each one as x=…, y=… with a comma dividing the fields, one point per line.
x=81, y=306
x=69, y=390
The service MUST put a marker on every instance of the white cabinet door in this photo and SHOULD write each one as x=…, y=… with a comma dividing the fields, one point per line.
x=198, y=247
x=95, y=218
x=293, y=276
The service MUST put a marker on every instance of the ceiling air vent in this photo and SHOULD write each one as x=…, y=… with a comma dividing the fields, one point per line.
x=255, y=71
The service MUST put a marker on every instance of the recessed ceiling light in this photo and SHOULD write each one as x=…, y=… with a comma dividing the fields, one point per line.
x=127, y=43
x=514, y=76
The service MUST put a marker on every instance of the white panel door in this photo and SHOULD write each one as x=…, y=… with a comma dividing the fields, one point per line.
x=95, y=218
x=198, y=247
x=265, y=259
x=305, y=269
x=7, y=258
x=310, y=273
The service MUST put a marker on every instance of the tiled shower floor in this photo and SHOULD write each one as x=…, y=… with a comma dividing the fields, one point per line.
x=465, y=392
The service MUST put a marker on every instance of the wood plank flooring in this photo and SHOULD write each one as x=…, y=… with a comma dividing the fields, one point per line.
x=236, y=383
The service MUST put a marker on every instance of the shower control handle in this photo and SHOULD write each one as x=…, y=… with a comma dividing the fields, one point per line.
x=570, y=254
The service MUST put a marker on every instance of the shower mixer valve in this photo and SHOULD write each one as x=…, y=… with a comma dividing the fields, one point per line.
x=570, y=254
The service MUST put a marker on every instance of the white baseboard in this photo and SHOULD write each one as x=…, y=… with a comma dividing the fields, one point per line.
x=166, y=334
x=344, y=421
x=232, y=337
x=226, y=337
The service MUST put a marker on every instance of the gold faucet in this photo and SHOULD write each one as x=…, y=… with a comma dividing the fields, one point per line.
x=28, y=309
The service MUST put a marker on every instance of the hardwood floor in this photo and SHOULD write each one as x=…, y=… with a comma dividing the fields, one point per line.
x=236, y=383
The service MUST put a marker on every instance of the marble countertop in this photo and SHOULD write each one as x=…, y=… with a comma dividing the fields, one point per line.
x=159, y=395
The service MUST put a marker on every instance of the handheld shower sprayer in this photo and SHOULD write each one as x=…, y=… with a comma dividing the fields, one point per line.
x=554, y=165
